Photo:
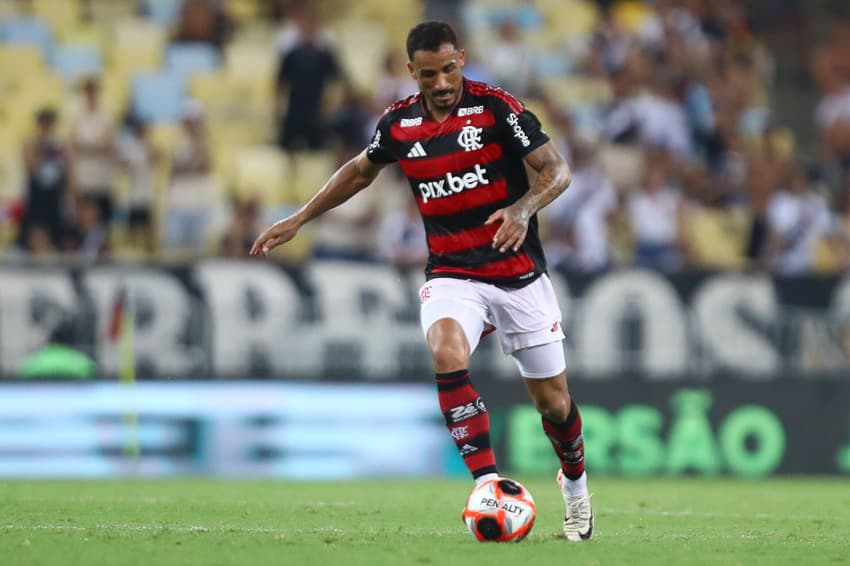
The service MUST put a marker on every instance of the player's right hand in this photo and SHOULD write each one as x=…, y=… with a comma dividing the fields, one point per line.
x=278, y=233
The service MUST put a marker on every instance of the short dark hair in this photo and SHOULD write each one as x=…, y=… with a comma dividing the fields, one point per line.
x=429, y=36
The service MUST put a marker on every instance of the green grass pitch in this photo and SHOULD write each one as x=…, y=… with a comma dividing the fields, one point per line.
x=209, y=522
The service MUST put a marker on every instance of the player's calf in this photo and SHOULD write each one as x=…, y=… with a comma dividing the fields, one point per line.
x=468, y=422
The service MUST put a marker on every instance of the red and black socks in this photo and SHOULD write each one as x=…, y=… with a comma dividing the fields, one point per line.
x=467, y=421
x=567, y=441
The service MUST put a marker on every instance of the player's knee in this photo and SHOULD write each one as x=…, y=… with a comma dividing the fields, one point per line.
x=553, y=407
x=450, y=356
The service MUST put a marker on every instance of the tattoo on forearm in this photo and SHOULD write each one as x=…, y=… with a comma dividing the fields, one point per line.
x=546, y=187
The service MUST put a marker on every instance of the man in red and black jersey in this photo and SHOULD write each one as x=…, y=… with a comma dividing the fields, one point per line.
x=465, y=147
x=463, y=169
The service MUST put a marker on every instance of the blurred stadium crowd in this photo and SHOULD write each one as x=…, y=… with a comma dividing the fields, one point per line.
x=167, y=129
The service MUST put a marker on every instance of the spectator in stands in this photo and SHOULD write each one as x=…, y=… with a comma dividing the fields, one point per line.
x=621, y=155
x=577, y=220
x=203, y=21
x=280, y=10
x=350, y=124
x=832, y=114
x=39, y=245
x=663, y=121
x=727, y=177
x=509, y=60
x=243, y=229
x=304, y=73
x=395, y=82
x=656, y=216
x=611, y=44
x=348, y=232
x=562, y=128
x=798, y=219
x=190, y=188
x=621, y=119
x=402, y=241
x=700, y=112
x=139, y=158
x=449, y=11
x=88, y=237
x=770, y=166
x=49, y=184
x=291, y=32
x=92, y=140
x=838, y=247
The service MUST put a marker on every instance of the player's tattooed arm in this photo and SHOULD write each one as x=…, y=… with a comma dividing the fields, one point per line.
x=348, y=180
x=553, y=177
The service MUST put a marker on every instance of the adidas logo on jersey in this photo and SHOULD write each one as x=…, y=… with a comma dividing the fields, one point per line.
x=417, y=151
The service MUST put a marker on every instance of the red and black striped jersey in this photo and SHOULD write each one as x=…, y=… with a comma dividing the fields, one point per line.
x=461, y=170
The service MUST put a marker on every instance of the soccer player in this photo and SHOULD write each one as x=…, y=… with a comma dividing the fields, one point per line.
x=464, y=146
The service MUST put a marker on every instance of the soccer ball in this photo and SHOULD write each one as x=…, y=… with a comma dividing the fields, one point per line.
x=499, y=510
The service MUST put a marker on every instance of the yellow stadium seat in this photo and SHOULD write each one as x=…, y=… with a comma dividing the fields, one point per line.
x=544, y=39
x=227, y=139
x=396, y=17
x=11, y=165
x=577, y=91
x=311, y=169
x=239, y=114
x=137, y=44
x=261, y=171
x=573, y=19
x=258, y=33
x=91, y=33
x=163, y=136
x=831, y=255
x=631, y=14
x=114, y=90
x=242, y=11
x=361, y=46
x=127, y=61
x=716, y=239
x=8, y=9
x=249, y=60
x=40, y=90
x=63, y=17
x=207, y=88
x=237, y=98
x=538, y=108
x=18, y=62
x=108, y=11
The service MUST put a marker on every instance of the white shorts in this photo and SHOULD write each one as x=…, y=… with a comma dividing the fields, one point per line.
x=522, y=318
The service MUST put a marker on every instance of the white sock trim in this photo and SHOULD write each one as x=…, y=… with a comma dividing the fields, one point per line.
x=576, y=488
x=486, y=477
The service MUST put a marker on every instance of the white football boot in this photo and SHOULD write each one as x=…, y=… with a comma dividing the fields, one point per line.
x=578, y=518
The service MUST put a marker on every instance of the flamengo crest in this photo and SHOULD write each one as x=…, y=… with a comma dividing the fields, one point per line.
x=470, y=138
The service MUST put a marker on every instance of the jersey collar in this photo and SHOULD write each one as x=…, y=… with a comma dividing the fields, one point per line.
x=423, y=105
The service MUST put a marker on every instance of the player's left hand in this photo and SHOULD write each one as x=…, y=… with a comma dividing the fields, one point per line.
x=512, y=232
x=278, y=233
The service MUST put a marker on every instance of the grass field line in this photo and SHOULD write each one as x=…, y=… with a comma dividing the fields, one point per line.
x=164, y=501
x=710, y=514
x=164, y=528
x=222, y=529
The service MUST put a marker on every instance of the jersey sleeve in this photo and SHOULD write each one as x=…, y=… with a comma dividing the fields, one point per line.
x=378, y=150
x=520, y=128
